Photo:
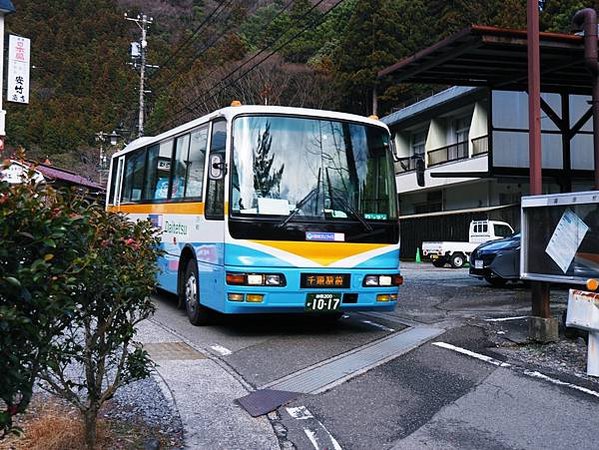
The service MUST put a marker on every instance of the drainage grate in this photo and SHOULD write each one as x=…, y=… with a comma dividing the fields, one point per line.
x=330, y=373
x=163, y=351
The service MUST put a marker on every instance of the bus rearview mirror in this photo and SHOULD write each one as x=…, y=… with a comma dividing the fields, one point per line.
x=420, y=172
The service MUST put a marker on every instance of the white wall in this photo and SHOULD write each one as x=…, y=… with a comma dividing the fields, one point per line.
x=402, y=144
x=479, y=126
x=406, y=182
x=436, y=136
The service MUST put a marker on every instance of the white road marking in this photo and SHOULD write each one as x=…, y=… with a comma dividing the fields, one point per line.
x=223, y=351
x=505, y=319
x=312, y=436
x=535, y=374
x=300, y=413
x=530, y=373
x=377, y=325
x=336, y=445
x=472, y=354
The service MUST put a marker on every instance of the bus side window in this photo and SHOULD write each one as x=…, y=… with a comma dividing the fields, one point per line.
x=158, y=171
x=215, y=195
x=111, y=192
x=180, y=159
x=134, y=176
x=195, y=163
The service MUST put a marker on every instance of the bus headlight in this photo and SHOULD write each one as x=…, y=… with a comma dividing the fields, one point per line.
x=382, y=280
x=255, y=279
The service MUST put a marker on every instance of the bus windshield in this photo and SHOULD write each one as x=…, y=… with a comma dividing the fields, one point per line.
x=299, y=169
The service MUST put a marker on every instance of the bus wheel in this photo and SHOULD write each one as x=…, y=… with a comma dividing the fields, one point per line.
x=197, y=314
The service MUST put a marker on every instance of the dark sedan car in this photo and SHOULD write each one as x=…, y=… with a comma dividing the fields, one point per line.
x=497, y=261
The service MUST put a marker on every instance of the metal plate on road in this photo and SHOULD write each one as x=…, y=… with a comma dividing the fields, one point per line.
x=263, y=401
x=323, y=302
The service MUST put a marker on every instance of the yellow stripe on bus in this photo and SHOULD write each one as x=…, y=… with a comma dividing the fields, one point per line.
x=160, y=208
x=323, y=253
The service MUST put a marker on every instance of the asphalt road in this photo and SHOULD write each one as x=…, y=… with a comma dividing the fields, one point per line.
x=427, y=397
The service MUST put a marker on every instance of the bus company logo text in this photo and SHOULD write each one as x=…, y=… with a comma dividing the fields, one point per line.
x=175, y=228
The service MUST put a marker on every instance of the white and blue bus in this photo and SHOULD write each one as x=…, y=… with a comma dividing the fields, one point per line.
x=268, y=209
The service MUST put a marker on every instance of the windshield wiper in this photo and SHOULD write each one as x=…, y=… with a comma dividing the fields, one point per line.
x=299, y=205
x=346, y=204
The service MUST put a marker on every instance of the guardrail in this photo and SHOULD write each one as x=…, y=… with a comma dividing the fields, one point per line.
x=407, y=164
x=448, y=153
x=480, y=145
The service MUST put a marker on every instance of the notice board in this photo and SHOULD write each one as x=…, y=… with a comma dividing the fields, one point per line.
x=560, y=237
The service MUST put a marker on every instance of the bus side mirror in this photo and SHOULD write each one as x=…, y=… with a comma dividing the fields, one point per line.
x=218, y=168
x=420, y=172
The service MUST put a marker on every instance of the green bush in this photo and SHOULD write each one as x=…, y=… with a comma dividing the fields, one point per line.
x=41, y=241
x=74, y=282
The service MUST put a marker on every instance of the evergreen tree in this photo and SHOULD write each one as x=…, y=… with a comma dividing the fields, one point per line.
x=267, y=182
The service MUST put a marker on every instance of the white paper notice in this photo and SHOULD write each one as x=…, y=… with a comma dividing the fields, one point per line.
x=566, y=239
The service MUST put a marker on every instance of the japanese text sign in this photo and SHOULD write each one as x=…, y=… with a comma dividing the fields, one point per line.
x=18, y=69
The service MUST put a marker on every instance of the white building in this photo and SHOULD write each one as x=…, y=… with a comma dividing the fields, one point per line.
x=474, y=143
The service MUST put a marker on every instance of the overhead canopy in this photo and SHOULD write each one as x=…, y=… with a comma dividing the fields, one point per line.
x=497, y=58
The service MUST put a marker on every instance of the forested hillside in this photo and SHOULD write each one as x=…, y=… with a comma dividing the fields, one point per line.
x=318, y=53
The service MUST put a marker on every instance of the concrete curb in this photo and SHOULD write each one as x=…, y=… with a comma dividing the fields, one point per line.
x=203, y=391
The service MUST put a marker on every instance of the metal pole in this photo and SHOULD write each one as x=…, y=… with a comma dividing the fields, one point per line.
x=140, y=125
x=142, y=22
x=534, y=99
x=540, y=291
x=586, y=20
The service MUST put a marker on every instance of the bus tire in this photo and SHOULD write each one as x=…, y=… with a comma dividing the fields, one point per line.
x=457, y=260
x=196, y=313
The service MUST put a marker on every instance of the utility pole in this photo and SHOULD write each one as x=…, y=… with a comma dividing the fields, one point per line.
x=143, y=23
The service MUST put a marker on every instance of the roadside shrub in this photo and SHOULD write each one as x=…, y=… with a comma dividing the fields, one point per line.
x=96, y=353
x=74, y=282
x=41, y=241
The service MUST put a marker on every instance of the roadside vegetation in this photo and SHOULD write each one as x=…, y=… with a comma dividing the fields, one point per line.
x=74, y=282
x=82, y=82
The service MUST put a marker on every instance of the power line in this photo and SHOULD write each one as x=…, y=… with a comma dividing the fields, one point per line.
x=268, y=46
x=192, y=105
x=195, y=32
x=204, y=50
x=195, y=58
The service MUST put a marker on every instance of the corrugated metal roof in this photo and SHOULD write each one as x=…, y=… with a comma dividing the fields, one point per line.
x=55, y=173
x=437, y=99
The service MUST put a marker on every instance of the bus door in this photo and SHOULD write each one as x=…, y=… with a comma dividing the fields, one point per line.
x=116, y=194
x=210, y=254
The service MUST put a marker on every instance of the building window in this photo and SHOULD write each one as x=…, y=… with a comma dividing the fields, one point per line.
x=462, y=129
x=418, y=143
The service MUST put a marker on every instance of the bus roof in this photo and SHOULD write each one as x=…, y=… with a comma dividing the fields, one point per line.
x=232, y=111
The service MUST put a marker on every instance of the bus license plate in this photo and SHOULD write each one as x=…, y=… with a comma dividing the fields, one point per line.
x=323, y=302
x=478, y=263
